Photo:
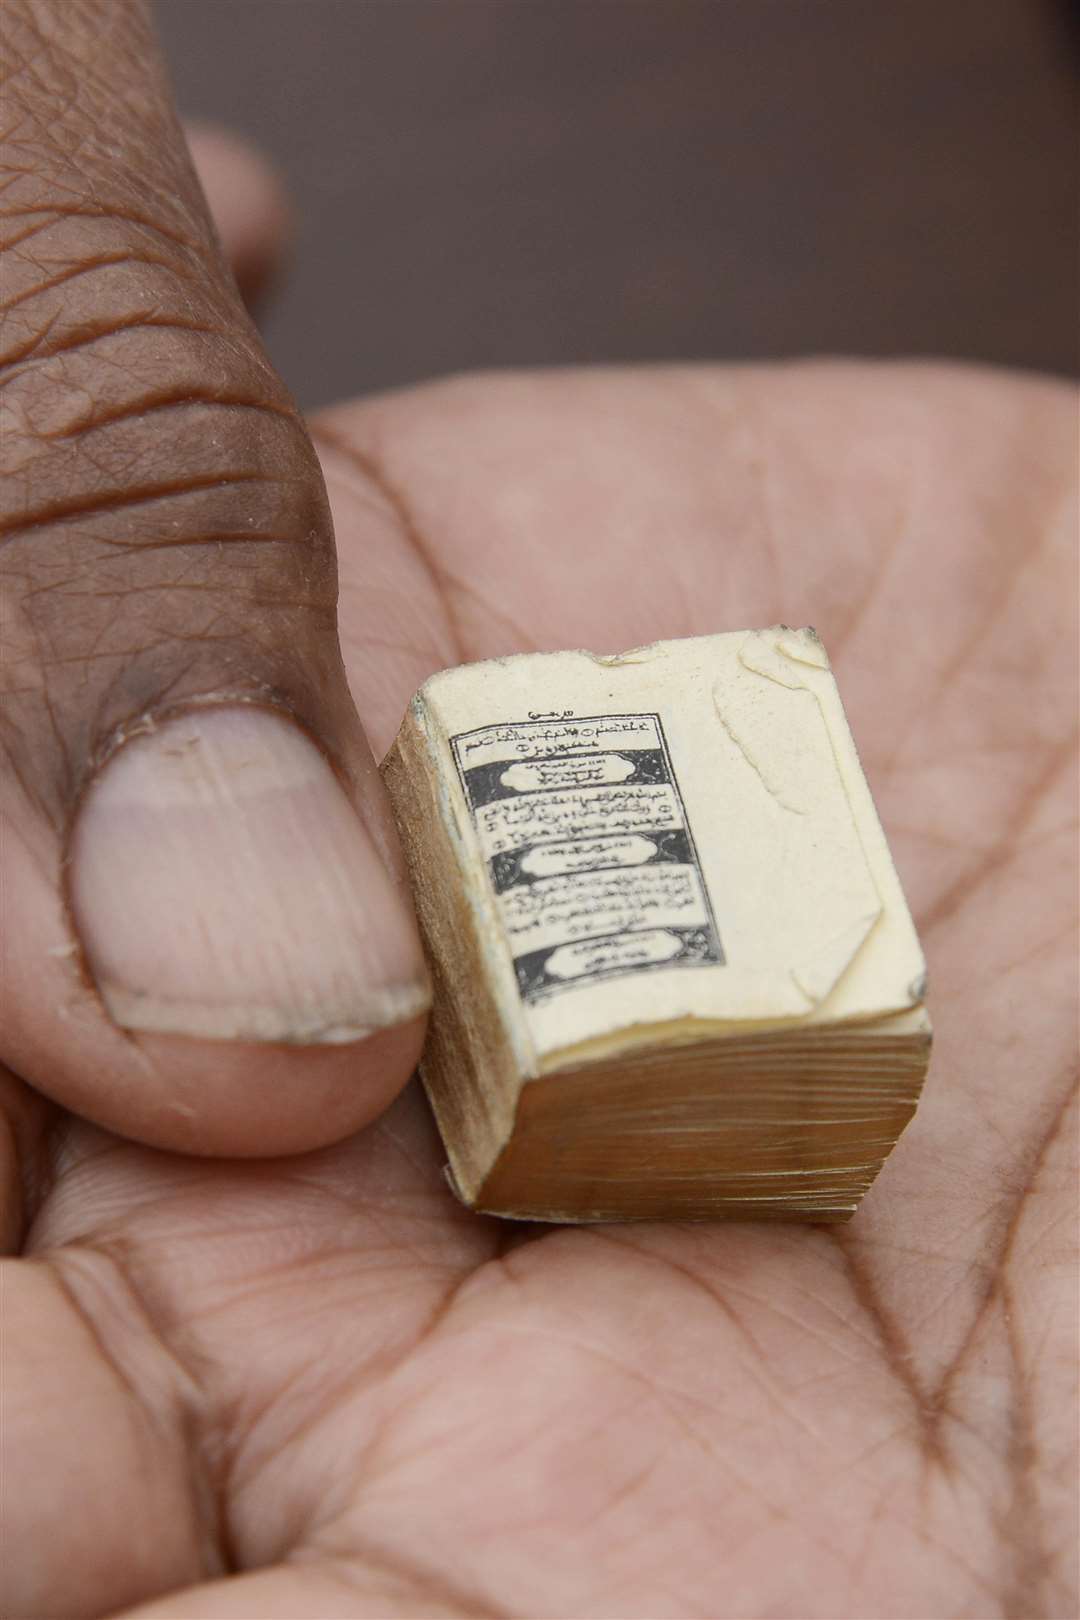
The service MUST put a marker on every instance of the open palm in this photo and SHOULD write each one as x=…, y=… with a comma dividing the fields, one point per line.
x=325, y=1375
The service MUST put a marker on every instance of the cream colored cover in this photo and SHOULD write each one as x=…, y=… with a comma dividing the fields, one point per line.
x=679, y=835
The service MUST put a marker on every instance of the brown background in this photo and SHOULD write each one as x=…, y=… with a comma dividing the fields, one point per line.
x=506, y=182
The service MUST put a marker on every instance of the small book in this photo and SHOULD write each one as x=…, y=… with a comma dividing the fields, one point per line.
x=674, y=972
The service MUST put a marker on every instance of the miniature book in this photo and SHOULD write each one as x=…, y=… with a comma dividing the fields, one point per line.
x=675, y=975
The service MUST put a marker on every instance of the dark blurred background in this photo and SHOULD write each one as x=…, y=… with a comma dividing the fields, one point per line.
x=505, y=182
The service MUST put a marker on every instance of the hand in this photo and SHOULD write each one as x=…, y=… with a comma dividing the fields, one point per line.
x=321, y=1373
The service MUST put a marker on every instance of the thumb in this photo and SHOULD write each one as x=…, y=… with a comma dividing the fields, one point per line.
x=206, y=938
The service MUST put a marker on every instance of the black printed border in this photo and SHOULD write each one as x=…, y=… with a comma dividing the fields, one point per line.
x=532, y=983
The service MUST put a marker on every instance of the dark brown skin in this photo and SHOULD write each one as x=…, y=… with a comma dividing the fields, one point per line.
x=166, y=540
x=312, y=1386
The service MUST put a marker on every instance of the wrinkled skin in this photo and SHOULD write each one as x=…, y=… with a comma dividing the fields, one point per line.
x=314, y=1387
x=324, y=1373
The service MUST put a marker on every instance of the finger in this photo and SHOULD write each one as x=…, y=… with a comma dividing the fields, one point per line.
x=247, y=204
x=333, y=1589
x=97, y=1415
x=206, y=939
x=157, y=1357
